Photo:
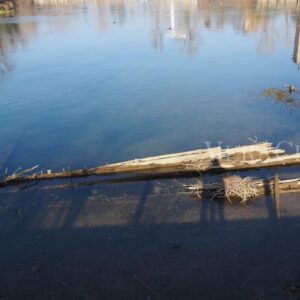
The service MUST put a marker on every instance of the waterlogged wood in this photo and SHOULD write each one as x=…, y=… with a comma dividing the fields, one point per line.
x=204, y=160
x=291, y=185
x=277, y=186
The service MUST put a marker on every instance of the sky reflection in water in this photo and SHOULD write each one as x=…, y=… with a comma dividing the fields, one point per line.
x=85, y=83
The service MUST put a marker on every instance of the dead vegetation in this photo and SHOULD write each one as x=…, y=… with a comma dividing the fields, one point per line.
x=288, y=96
x=243, y=190
x=229, y=188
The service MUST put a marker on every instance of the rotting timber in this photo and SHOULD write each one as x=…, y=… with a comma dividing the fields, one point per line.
x=261, y=155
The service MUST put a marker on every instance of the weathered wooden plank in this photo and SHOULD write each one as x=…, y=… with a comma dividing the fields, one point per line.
x=203, y=160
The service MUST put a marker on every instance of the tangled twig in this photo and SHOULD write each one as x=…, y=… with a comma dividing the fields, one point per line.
x=229, y=188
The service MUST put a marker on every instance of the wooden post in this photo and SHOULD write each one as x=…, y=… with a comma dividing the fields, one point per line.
x=277, y=194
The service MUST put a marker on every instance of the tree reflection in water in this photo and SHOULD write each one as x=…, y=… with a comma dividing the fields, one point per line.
x=179, y=20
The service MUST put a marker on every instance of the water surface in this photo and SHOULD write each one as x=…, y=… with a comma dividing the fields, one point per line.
x=83, y=83
x=90, y=82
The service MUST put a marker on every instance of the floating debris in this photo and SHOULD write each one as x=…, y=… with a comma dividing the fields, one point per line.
x=229, y=188
x=284, y=95
x=234, y=188
x=291, y=88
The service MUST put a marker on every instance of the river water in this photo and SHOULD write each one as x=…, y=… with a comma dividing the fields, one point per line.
x=85, y=83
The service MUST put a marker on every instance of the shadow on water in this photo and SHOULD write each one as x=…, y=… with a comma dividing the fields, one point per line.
x=146, y=191
x=75, y=207
x=84, y=243
x=212, y=211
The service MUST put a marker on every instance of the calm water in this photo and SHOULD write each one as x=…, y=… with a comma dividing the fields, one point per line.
x=102, y=81
x=86, y=83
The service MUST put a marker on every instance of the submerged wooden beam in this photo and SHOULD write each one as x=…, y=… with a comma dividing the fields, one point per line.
x=205, y=160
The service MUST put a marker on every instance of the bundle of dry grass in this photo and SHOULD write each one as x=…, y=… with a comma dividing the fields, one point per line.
x=229, y=188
